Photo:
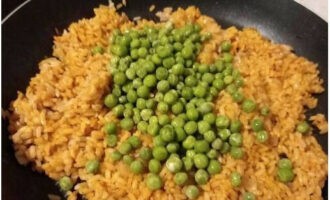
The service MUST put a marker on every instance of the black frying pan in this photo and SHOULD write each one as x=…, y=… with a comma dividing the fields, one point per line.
x=27, y=38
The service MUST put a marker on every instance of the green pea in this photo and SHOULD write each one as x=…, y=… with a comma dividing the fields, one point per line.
x=208, y=77
x=187, y=52
x=158, y=141
x=203, y=127
x=167, y=133
x=141, y=103
x=177, y=46
x=132, y=96
x=236, y=139
x=142, y=52
x=126, y=124
x=205, y=108
x=173, y=147
x=119, y=50
x=173, y=79
x=97, y=50
x=190, y=153
x=238, y=96
x=137, y=83
x=192, y=192
x=177, y=108
x=92, y=166
x=188, y=163
x=160, y=153
x=135, y=141
x=264, y=111
x=180, y=178
x=209, y=136
x=151, y=103
x=178, y=122
x=110, y=101
x=210, y=118
x=192, y=114
x=257, y=124
x=180, y=133
x=168, y=62
x=187, y=93
x=235, y=126
x=146, y=114
x=65, y=184
x=143, y=91
x=303, y=127
x=170, y=98
x=249, y=196
x=235, y=179
x=212, y=154
x=135, y=43
x=224, y=134
x=119, y=78
x=134, y=54
x=226, y=46
x=217, y=144
x=164, y=51
x=189, y=142
x=150, y=81
x=284, y=163
x=162, y=107
x=174, y=164
x=201, y=161
x=136, y=167
x=118, y=110
x=262, y=136
x=190, y=127
x=161, y=73
x=201, y=146
x=236, y=152
x=156, y=59
x=219, y=65
x=149, y=66
x=154, y=182
x=116, y=156
x=218, y=84
x=203, y=68
x=248, y=105
x=127, y=159
x=110, y=128
x=201, y=177
x=145, y=153
x=191, y=81
x=239, y=82
x=130, y=73
x=225, y=147
x=227, y=57
x=111, y=140
x=199, y=91
x=285, y=175
x=154, y=166
x=153, y=129
x=214, y=167
x=222, y=121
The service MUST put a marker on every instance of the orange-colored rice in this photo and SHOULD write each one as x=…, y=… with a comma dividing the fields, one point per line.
x=57, y=124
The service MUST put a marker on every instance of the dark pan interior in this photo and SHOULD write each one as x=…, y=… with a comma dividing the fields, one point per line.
x=27, y=38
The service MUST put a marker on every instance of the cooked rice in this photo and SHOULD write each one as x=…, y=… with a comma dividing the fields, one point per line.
x=57, y=124
x=320, y=122
x=152, y=8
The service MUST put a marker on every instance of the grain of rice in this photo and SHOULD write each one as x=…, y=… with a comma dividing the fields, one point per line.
x=152, y=8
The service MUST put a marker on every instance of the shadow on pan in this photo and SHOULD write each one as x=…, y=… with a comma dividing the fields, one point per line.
x=27, y=38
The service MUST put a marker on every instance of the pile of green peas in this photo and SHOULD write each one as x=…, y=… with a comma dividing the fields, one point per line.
x=160, y=89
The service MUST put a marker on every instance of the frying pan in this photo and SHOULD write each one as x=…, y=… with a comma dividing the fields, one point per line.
x=27, y=38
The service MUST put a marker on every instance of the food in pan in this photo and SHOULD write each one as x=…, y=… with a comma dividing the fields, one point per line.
x=176, y=109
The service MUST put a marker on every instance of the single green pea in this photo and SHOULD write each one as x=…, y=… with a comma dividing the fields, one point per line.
x=142, y=52
x=135, y=43
x=137, y=83
x=284, y=163
x=201, y=177
x=180, y=178
x=132, y=96
x=187, y=52
x=127, y=159
x=249, y=196
x=149, y=66
x=190, y=153
x=236, y=139
x=125, y=148
x=180, y=133
x=285, y=175
x=188, y=163
x=225, y=147
x=151, y=103
x=141, y=103
x=227, y=57
x=264, y=111
x=110, y=101
x=135, y=141
x=189, y=142
x=118, y=110
x=161, y=73
x=119, y=50
x=174, y=164
x=210, y=118
x=257, y=125
x=116, y=156
x=217, y=144
x=150, y=81
x=146, y=114
x=162, y=107
x=236, y=152
x=154, y=182
x=209, y=136
x=65, y=184
x=128, y=113
x=239, y=82
x=178, y=69
x=203, y=127
x=205, y=108
x=190, y=127
x=214, y=167
x=201, y=161
x=172, y=147
x=143, y=91
x=192, y=192
x=248, y=105
x=145, y=153
x=191, y=81
x=153, y=129
x=226, y=46
x=235, y=179
x=224, y=134
x=167, y=133
x=111, y=140
x=173, y=79
x=137, y=167
x=222, y=121
x=92, y=166
x=218, y=84
x=235, y=126
x=160, y=153
x=303, y=127
x=201, y=146
x=158, y=141
x=119, y=78
x=212, y=154
x=237, y=96
x=110, y=128
x=156, y=59
x=192, y=114
x=154, y=166
x=199, y=91
x=126, y=124
x=170, y=98
x=164, y=119
x=177, y=108
x=178, y=122
x=262, y=136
